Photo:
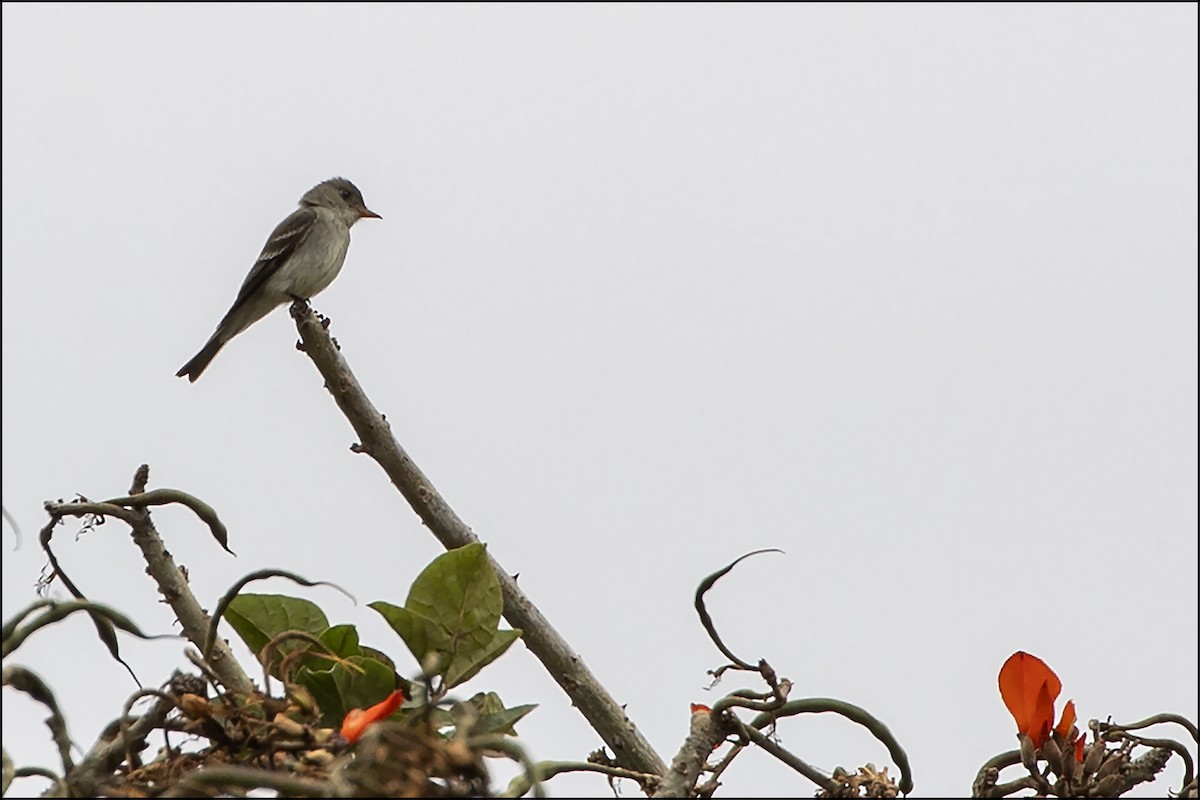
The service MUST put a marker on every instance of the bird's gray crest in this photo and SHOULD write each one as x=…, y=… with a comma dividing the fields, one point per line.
x=340, y=187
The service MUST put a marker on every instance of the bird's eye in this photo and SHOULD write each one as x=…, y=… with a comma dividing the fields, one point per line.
x=346, y=193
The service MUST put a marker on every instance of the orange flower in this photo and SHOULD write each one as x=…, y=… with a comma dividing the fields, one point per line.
x=1029, y=689
x=1063, y=728
x=698, y=707
x=357, y=719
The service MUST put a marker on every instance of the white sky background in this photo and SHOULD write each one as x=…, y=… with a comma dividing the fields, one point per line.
x=908, y=292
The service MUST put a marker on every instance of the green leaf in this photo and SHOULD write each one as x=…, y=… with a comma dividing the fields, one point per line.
x=487, y=714
x=481, y=703
x=422, y=636
x=459, y=591
x=343, y=640
x=503, y=721
x=469, y=659
x=378, y=655
x=452, y=613
x=344, y=687
x=259, y=618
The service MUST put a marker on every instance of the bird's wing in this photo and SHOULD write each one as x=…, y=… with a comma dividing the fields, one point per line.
x=281, y=244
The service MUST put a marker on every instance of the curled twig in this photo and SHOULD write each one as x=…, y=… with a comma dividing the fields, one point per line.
x=12, y=521
x=126, y=718
x=236, y=589
x=56, y=611
x=706, y=619
x=532, y=777
x=819, y=705
x=104, y=628
x=985, y=780
x=122, y=508
x=10, y=624
x=161, y=497
x=29, y=682
x=1157, y=719
x=545, y=770
x=98, y=765
x=764, y=702
x=197, y=783
x=59, y=787
x=84, y=508
x=789, y=758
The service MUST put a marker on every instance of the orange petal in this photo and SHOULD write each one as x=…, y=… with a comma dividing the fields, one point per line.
x=1043, y=717
x=1068, y=720
x=357, y=719
x=354, y=724
x=698, y=707
x=1029, y=688
x=1079, y=749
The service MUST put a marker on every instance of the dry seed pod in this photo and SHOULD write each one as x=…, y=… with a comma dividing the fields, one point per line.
x=317, y=758
x=1069, y=764
x=195, y=706
x=288, y=726
x=1111, y=764
x=1095, y=755
x=1053, y=756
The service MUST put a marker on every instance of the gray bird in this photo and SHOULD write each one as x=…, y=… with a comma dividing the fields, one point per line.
x=300, y=259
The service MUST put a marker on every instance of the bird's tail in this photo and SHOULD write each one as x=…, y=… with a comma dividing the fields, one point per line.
x=199, y=362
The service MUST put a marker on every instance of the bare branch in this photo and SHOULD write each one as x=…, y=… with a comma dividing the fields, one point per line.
x=707, y=731
x=592, y=699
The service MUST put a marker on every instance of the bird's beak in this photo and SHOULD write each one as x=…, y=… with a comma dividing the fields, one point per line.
x=363, y=212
